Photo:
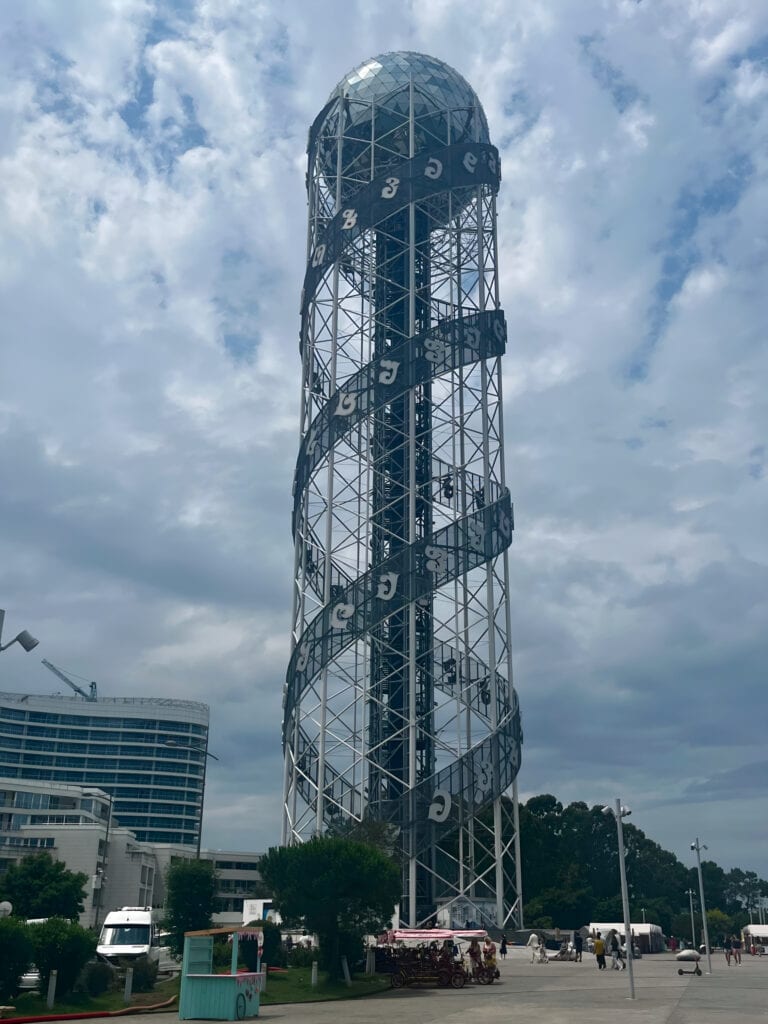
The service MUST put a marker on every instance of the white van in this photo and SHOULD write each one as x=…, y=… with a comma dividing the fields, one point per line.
x=127, y=934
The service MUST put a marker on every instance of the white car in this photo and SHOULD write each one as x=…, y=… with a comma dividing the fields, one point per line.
x=30, y=980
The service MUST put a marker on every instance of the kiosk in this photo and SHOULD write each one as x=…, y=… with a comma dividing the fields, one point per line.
x=208, y=996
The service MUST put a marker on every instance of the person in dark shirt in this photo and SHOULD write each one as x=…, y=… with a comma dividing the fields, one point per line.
x=614, y=947
x=578, y=945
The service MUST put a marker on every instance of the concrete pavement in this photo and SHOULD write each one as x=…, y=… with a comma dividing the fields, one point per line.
x=554, y=993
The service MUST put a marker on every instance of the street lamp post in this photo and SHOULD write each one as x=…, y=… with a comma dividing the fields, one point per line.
x=693, y=923
x=200, y=750
x=698, y=847
x=622, y=812
x=24, y=638
x=642, y=911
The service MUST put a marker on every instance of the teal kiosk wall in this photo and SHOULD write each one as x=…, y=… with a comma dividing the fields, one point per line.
x=208, y=996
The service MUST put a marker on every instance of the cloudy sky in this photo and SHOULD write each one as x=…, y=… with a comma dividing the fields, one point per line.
x=152, y=234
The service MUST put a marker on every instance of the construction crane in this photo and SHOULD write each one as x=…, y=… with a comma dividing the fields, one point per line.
x=78, y=689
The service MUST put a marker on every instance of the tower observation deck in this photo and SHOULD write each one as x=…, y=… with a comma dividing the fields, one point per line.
x=399, y=704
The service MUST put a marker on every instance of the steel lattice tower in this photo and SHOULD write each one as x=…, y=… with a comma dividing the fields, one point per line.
x=399, y=704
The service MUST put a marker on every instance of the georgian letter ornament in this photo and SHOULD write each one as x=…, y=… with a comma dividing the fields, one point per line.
x=346, y=405
x=440, y=807
x=387, y=586
x=303, y=658
x=389, y=368
x=341, y=615
x=435, y=558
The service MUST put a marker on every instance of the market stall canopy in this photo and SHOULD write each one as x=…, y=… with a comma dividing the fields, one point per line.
x=431, y=934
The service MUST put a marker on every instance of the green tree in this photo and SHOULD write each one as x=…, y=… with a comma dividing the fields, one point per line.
x=15, y=954
x=381, y=834
x=567, y=908
x=718, y=925
x=743, y=890
x=191, y=891
x=715, y=883
x=39, y=886
x=339, y=888
x=680, y=925
x=64, y=947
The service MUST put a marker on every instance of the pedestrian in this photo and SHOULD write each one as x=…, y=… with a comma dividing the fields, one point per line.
x=503, y=947
x=578, y=945
x=736, y=947
x=533, y=945
x=489, y=956
x=614, y=946
x=600, y=952
x=475, y=957
x=727, y=948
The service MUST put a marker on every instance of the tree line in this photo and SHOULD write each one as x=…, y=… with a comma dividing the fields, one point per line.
x=570, y=866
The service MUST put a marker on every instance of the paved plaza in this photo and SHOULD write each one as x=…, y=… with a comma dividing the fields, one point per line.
x=554, y=993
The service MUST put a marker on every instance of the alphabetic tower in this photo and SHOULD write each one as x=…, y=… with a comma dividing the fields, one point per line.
x=399, y=704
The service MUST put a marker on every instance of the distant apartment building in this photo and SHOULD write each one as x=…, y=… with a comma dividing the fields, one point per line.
x=237, y=878
x=147, y=753
x=73, y=824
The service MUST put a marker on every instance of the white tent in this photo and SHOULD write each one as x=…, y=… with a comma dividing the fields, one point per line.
x=756, y=934
x=648, y=937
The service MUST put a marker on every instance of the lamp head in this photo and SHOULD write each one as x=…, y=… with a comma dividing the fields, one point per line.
x=693, y=846
x=607, y=810
x=27, y=641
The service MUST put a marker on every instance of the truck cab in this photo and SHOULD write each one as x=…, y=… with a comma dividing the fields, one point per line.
x=127, y=934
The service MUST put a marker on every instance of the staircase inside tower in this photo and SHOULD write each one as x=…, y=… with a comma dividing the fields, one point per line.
x=402, y=289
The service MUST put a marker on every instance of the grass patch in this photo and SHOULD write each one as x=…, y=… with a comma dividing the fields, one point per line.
x=296, y=987
x=33, y=1004
x=163, y=990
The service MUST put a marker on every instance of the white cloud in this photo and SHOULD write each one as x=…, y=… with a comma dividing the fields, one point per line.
x=751, y=83
x=734, y=35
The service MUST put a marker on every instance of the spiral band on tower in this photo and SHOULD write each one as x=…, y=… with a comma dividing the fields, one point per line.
x=399, y=705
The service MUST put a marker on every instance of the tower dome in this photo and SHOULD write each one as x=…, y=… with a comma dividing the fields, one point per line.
x=440, y=94
x=370, y=108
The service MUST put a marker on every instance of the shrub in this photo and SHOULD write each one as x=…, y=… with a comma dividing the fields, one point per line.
x=96, y=978
x=144, y=974
x=16, y=954
x=222, y=954
x=300, y=956
x=64, y=947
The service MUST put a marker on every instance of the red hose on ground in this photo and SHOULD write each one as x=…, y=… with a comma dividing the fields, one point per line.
x=97, y=1013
